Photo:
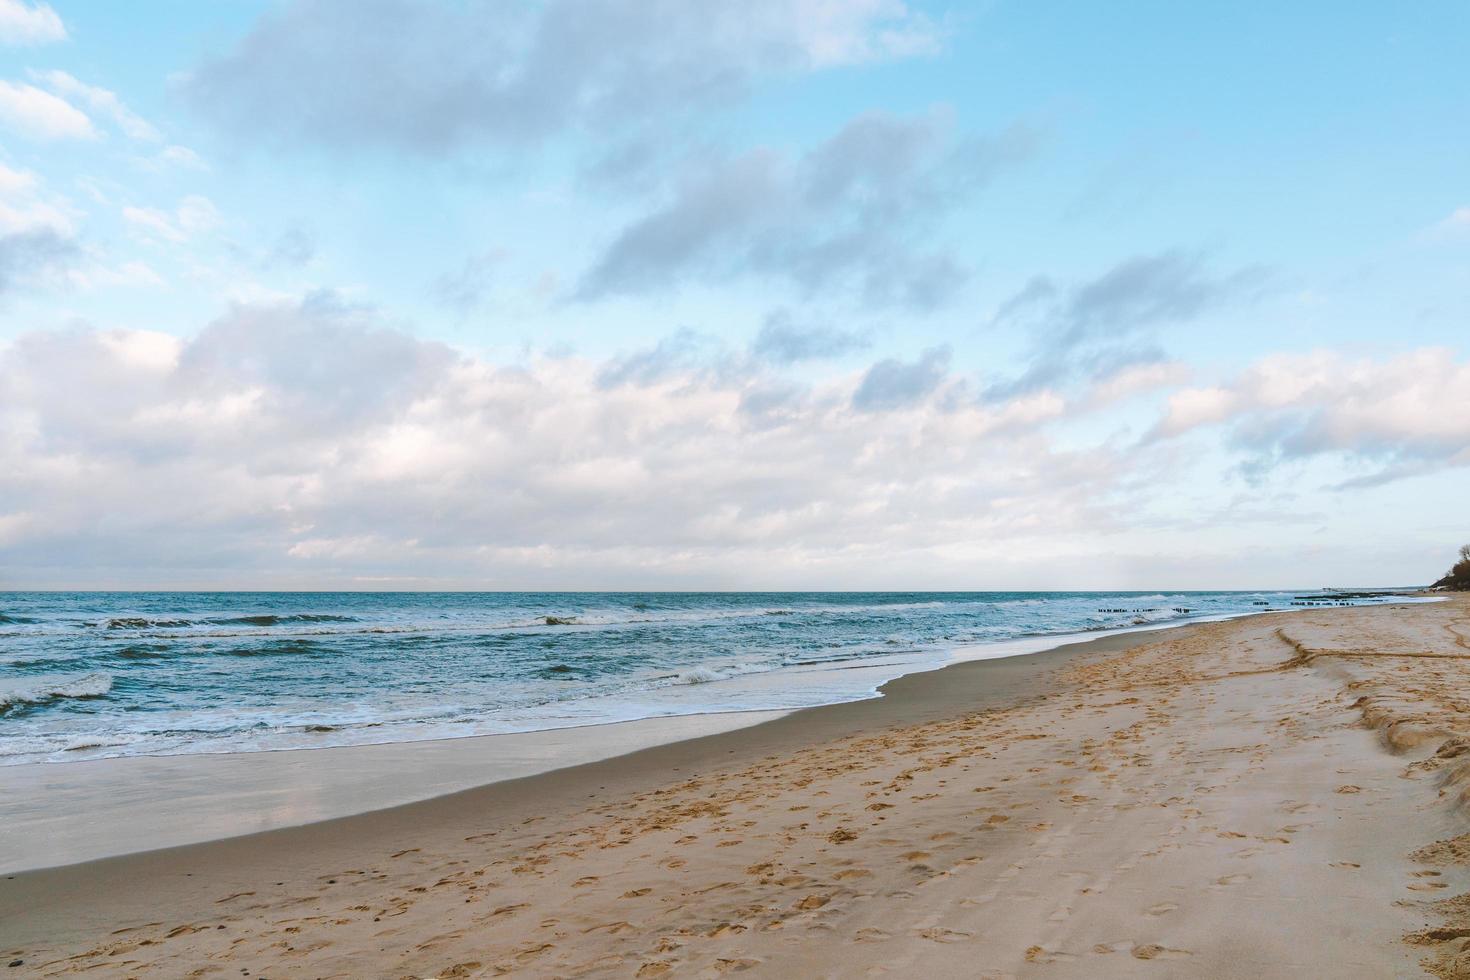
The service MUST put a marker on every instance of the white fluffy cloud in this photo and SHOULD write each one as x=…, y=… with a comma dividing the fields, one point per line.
x=310, y=442
x=100, y=100
x=1409, y=413
x=41, y=115
x=309, y=438
x=29, y=23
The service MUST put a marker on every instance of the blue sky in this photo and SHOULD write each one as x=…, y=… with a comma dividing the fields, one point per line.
x=815, y=293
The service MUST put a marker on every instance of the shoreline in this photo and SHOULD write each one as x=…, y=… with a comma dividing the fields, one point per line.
x=362, y=717
x=924, y=695
x=52, y=809
x=1253, y=797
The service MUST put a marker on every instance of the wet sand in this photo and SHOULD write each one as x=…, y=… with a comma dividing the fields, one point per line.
x=1273, y=796
x=52, y=815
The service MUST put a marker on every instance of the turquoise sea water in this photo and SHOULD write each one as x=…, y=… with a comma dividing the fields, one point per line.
x=88, y=675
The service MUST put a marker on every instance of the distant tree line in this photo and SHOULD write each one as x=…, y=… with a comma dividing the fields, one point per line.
x=1459, y=577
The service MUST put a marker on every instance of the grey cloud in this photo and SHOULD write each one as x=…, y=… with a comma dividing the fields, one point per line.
x=769, y=402
x=892, y=383
x=782, y=341
x=674, y=355
x=858, y=209
x=24, y=254
x=429, y=76
x=1100, y=326
x=733, y=198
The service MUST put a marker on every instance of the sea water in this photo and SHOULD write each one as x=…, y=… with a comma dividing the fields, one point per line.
x=93, y=675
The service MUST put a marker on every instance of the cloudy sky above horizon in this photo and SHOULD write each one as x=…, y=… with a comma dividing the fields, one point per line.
x=777, y=294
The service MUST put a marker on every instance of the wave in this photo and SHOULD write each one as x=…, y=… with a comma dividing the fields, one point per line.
x=143, y=623
x=265, y=619
x=698, y=675
x=39, y=690
x=142, y=651
x=272, y=620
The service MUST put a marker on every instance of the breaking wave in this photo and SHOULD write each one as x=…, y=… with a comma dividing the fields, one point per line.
x=39, y=690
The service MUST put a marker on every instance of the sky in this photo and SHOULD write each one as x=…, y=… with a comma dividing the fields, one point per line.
x=778, y=294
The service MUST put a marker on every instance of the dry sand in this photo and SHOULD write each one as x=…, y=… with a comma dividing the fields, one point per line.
x=1277, y=796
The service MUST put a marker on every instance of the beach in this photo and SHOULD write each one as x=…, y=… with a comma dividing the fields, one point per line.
x=1268, y=796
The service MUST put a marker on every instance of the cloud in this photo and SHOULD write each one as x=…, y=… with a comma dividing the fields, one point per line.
x=1406, y=415
x=312, y=441
x=1458, y=221
x=27, y=23
x=677, y=356
x=782, y=341
x=25, y=205
x=100, y=100
x=1105, y=325
x=181, y=157
x=892, y=383
x=431, y=77
x=195, y=214
x=855, y=210
x=41, y=115
x=37, y=237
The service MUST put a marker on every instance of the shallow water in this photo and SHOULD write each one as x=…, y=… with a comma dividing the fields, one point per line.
x=91, y=675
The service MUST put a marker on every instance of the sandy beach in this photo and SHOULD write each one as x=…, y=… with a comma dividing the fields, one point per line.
x=1281, y=795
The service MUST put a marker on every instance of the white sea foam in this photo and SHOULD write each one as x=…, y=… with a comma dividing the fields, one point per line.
x=44, y=687
x=699, y=675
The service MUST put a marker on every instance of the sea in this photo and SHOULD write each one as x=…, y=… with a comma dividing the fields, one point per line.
x=88, y=675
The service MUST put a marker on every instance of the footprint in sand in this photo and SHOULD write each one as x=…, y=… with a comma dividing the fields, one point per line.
x=508, y=909
x=727, y=929
x=1163, y=908
x=735, y=966
x=1039, y=954
x=871, y=936
x=1232, y=879
x=1153, y=951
